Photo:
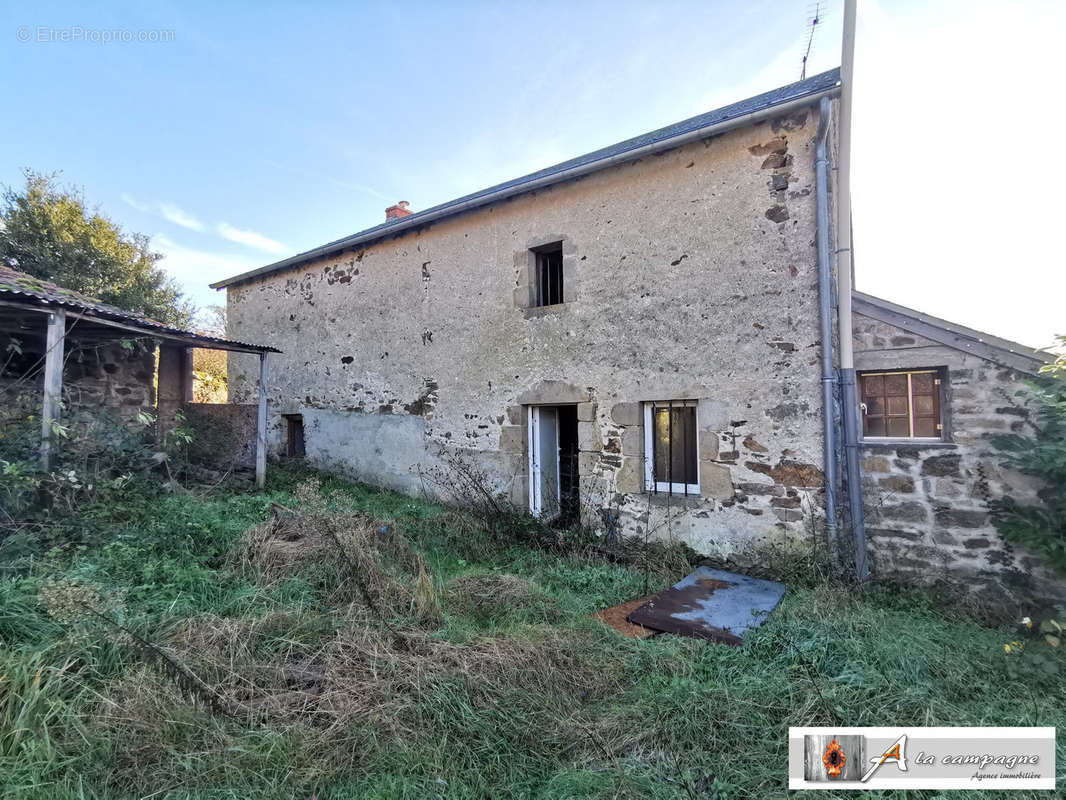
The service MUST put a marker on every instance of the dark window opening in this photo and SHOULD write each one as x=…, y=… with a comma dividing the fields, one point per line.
x=294, y=435
x=549, y=275
x=902, y=404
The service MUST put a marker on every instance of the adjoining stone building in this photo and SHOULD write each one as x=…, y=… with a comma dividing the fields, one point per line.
x=632, y=335
x=934, y=397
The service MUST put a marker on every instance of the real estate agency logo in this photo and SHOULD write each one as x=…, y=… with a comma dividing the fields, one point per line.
x=922, y=758
x=842, y=757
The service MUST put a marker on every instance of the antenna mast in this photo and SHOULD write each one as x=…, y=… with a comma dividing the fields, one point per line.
x=814, y=21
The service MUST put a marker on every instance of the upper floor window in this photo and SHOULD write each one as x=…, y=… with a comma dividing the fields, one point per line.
x=903, y=404
x=671, y=449
x=548, y=275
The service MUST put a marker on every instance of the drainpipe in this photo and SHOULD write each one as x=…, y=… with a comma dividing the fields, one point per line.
x=849, y=402
x=825, y=309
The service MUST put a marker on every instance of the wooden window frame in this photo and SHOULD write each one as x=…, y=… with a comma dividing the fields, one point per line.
x=669, y=487
x=940, y=405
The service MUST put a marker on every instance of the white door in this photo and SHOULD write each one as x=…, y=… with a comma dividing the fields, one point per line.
x=544, y=489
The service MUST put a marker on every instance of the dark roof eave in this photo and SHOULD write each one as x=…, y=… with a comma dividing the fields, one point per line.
x=745, y=112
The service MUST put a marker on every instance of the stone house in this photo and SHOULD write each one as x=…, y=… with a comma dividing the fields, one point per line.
x=632, y=336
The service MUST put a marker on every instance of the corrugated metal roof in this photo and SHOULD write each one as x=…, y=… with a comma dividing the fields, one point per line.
x=666, y=137
x=16, y=286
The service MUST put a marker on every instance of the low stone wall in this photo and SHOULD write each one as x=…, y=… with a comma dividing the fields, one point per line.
x=223, y=434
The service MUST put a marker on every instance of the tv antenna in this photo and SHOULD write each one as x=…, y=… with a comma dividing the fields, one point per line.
x=813, y=21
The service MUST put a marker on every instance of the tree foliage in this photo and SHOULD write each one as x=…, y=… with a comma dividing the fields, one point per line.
x=1058, y=367
x=47, y=231
x=1040, y=528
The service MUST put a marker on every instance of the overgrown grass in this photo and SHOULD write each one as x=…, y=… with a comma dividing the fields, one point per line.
x=512, y=691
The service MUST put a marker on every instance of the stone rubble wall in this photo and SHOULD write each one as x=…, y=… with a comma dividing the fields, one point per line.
x=223, y=434
x=98, y=376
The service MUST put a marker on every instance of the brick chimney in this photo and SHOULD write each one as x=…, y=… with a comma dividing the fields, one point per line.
x=397, y=211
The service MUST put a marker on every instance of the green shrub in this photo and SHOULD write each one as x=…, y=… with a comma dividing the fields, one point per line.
x=1039, y=528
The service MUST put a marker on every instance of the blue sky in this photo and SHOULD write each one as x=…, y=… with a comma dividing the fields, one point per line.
x=259, y=130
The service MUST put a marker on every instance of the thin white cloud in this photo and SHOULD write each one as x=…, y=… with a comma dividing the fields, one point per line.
x=250, y=239
x=194, y=269
x=184, y=219
x=137, y=204
x=295, y=169
x=172, y=213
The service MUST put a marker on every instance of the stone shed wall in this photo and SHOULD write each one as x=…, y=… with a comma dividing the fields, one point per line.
x=926, y=504
x=95, y=376
x=689, y=274
x=224, y=434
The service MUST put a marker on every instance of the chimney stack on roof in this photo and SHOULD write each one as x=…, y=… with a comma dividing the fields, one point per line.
x=397, y=211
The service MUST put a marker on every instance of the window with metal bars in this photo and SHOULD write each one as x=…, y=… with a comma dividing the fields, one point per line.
x=671, y=447
x=549, y=275
x=902, y=404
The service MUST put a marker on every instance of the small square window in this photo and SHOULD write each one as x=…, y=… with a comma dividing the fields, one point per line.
x=903, y=404
x=671, y=447
x=548, y=275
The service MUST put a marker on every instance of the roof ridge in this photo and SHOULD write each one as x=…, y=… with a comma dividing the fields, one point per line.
x=815, y=85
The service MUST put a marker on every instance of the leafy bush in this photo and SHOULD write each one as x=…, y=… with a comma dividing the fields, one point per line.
x=97, y=457
x=1039, y=528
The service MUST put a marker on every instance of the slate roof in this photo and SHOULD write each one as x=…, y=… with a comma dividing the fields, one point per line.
x=991, y=348
x=664, y=138
x=18, y=287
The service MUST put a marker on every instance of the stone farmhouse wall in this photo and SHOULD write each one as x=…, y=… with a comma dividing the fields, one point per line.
x=926, y=504
x=688, y=275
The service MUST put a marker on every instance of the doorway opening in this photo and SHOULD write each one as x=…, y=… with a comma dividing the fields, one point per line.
x=294, y=435
x=554, y=483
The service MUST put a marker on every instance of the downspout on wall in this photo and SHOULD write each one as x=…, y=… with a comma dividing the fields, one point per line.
x=825, y=309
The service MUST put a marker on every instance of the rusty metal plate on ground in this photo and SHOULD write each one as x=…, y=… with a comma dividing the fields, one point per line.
x=711, y=604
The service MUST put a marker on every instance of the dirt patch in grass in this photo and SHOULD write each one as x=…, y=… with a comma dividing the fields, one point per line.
x=616, y=617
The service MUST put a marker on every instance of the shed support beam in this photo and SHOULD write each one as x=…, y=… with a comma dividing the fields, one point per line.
x=53, y=383
x=260, y=426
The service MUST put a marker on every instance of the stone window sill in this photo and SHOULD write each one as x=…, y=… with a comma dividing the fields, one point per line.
x=917, y=444
x=664, y=499
x=543, y=311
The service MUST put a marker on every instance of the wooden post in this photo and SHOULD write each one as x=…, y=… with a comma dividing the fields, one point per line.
x=260, y=426
x=53, y=382
x=187, y=378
